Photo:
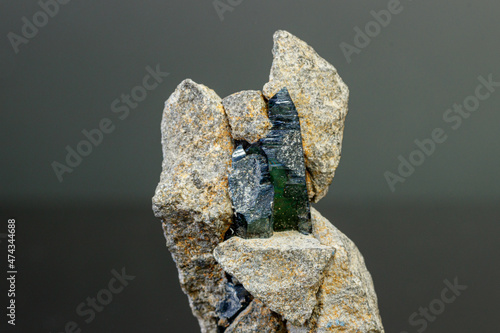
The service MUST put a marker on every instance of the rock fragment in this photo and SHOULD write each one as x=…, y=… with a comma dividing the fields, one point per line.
x=283, y=271
x=321, y=99
x=257, y=318
x=247, y=114
x=192, y=197
x=346, y=299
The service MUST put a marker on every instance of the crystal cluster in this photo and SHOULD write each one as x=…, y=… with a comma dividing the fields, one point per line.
x=267, y=180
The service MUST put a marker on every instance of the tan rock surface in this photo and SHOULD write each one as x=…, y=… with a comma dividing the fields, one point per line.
x=283, y=271
x=192, y=196
x=247, y=114
x=257, y=318
x=321, y=99
x=346, y=299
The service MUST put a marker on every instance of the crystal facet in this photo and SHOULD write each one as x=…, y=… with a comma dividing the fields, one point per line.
x=267, y=181
x=283, y=147
x=237, y=298
x=251, y=191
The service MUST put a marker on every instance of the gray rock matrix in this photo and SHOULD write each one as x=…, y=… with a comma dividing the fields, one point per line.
x=296, y=283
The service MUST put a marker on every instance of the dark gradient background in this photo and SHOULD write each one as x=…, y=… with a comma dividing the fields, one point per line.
x=441, y=223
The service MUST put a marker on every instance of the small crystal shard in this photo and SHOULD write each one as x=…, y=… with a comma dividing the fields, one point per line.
x=236, y=299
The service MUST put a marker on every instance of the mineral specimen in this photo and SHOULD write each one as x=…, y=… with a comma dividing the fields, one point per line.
x=236, y=299
x=237, y=178
x=277, y=158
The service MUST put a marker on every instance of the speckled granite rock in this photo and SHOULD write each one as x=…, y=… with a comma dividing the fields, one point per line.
x=283, y=271
x=257, y=318
x=321, y=99
x=192, y=196
x=346, y=299
x=247, y=114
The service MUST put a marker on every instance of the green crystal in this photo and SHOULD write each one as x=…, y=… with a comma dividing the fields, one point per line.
x=283, y=147
x=267, y=181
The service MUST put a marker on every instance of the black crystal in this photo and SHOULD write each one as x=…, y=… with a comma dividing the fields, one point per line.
x=251, y=192
x=236, y=299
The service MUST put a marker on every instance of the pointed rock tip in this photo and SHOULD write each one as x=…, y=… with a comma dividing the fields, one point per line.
x=189, y=84
x=282, y=34
x=188, y=89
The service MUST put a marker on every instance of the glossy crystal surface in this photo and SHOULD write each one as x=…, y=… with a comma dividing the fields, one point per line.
x=267, y=182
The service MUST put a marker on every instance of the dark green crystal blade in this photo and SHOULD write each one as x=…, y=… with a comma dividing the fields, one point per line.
x=283, y=147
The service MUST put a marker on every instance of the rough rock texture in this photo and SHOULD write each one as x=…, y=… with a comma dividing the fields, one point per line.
x=346, y=299
x=321, y=99
x=247, y=114
x=257, y=318
x=192, y=197
x=283, y=271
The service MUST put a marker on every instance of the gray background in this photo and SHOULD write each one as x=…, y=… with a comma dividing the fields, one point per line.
x=440, y=223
